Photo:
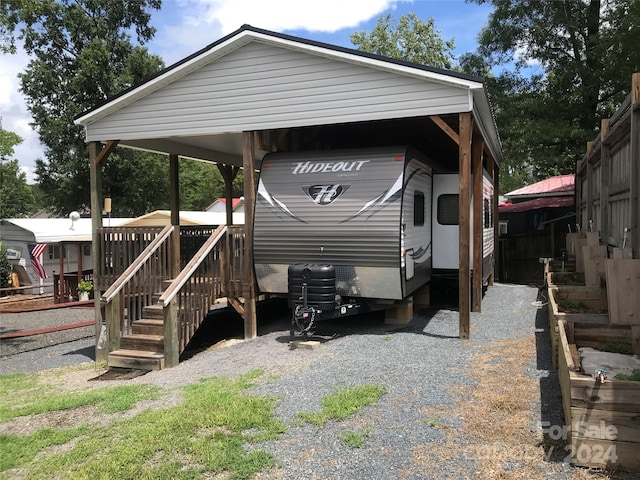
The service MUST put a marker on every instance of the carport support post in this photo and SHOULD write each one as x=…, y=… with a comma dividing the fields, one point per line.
x=174, y=203
x=478, y=220
x=248, y=287
x=635, y=164
x=464, y=208
x=95, y=179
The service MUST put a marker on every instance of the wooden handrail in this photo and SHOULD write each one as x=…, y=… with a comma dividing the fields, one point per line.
x=169, y=294
x=128, y=274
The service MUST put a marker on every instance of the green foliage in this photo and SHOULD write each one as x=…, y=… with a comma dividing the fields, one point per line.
x=633, y=377
x=584, y=53
x=16, y=198
x=408, y=39
x=354, y=439
x=5, y=268
x=23, y=395
x=617, y=347
x=204, y=436
x=82, y=54
x=343, y=403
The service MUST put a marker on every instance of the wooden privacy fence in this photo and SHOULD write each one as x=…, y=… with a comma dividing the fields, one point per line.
x=608, y=177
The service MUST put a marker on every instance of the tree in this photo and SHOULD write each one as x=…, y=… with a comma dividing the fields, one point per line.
x=82, y=55
x=16, y=198
x=409, y=39
x=585, y=51
x=5, y=267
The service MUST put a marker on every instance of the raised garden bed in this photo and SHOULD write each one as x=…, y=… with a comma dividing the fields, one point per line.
x=565, y=278
x=602, y=418
x=575, y=304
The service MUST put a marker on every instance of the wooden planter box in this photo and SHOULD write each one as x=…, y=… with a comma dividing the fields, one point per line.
x=602, y=419
x=565, y=278
x=595, y=298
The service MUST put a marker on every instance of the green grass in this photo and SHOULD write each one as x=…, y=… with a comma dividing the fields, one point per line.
x=571, y=306
x=343, y=403
x=617, y=347
x=634, y=377
x=206, y=434
x=437, y=424
x=22, y=394
x=354, y=439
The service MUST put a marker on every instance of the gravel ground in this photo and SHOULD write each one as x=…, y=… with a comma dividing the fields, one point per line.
x=422, y=366
x=10, y=348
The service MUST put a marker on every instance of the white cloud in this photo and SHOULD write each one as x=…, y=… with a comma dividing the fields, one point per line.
x=14, y=113
x=185, y=27
x=279, y=15
x=189, y=25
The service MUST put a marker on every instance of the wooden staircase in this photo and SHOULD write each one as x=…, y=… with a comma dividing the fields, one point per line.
x=143, y=349
x=160, y=325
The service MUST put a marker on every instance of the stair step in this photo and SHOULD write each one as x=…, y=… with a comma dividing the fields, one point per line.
x=153, y=311
x=148, y=326
x=142, y=342
x=142, y=360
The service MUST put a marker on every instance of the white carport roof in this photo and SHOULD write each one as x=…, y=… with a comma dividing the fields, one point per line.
x=163, y=217
x=202, y=129
x=54, y=230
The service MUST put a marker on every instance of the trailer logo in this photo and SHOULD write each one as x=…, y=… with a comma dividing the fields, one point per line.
x=325, y=194
x=327, y=167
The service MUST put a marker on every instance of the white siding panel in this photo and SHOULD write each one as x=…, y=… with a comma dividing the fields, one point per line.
x=261, y=87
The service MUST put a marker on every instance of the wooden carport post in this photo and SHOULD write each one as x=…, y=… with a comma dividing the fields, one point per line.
x=477, y=146
x=248, y=281
x=228, y=174
x=174, y=202
x=464, y=207
x=97, y=155
x=635, y=164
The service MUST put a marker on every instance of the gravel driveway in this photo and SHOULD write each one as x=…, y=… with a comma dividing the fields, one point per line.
x=427, y=424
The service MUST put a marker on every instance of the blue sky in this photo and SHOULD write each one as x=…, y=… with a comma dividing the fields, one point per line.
x=185, y=26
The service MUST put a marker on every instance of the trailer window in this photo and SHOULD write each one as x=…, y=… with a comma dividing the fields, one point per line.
x=418, y=209
x=487, y=214
x=448, y=209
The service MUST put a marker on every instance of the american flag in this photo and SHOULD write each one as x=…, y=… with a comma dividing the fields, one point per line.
x=35, y=252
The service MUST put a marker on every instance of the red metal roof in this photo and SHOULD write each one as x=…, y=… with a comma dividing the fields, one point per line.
x=234, y=201
x=561, y=183
x=544, y=202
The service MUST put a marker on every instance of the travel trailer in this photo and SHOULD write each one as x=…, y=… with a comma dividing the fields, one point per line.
x=445, y=226
x=346, y=230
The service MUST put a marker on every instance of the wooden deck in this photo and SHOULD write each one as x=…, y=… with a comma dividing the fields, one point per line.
x=152, y=307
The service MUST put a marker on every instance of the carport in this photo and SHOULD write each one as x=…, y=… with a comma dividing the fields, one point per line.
x=256, y=91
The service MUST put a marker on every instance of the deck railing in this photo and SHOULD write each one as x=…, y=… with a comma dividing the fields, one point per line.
x=135, y=287
x=191, y=295
x=235, y=249
x=66, y=289
x=120, y=247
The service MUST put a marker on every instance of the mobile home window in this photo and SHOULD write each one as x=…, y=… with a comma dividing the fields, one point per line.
x=448, y=209
x=418, y=209
x=487, y=214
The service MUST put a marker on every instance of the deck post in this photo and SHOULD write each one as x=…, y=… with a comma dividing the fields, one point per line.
x=228, y=174
x=464, y=208
x=248, y=281
x=174, y=202
x=493, y=174
x=95, y=178
x=496, y=212
x=478, y=220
